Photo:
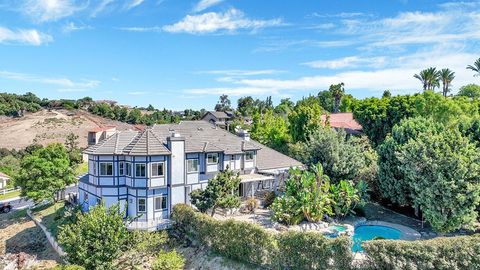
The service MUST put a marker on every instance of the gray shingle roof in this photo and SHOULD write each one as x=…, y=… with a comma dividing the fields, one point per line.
x=200, y=137
x=219, y=114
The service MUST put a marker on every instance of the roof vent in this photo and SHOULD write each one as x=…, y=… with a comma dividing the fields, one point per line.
x=175, y=134
x=244, y=134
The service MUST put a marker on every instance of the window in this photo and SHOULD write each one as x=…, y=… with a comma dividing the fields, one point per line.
x=106, y=168
x=160, y=203
x=99, y=201
x=85, y=197
x=121, y=168
x=157, y=169
x=212, y=158
x=128, y=169
x=192, y=165
x=142, y=205
x=249, y=156
x=140, y=170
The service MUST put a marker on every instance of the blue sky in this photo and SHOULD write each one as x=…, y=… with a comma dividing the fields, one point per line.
x=184, y=54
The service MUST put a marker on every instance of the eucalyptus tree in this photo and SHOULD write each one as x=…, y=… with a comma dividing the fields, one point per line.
x=475, y=67
x=446, y=76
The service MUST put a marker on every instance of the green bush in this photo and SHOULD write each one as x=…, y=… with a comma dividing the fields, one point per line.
x=168, y=261
x=311, y=250
x=251, y=243
x=452, y=253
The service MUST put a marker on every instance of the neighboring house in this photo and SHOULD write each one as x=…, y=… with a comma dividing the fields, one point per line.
x=4, y=180
x=220, y=119
x=343, y=120
x=150, y=171
x=97, y=134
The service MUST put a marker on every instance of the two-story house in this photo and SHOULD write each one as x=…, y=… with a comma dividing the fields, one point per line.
x=149, y=171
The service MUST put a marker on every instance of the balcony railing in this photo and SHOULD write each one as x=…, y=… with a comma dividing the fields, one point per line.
x=151, y=225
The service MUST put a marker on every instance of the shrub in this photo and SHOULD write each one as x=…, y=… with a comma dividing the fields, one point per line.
x=252, y=204
x=168, y=261
x=68, y=267
x=269, y=198
x=311, y=250
x=251, y=243
x=462, y=252
x=285, y=210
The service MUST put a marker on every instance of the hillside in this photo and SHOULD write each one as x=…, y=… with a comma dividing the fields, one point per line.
x=51, y=126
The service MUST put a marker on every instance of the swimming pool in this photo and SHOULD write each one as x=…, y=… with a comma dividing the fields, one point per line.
x=369, y=232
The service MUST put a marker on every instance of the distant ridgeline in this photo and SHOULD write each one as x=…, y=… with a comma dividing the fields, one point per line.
x=16, y=105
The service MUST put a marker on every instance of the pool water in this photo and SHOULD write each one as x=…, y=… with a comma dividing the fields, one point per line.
x=368, y=232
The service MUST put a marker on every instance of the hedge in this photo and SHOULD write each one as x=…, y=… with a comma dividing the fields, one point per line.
x=250, y=243
x=452, y=253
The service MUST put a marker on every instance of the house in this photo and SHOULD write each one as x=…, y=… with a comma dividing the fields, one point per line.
x=342, y=120
x=4, y=180
x=149, y=171
x=97, y=134
x=220, y=119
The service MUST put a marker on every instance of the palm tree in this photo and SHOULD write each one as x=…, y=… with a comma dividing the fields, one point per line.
x=430, y=78
x=475, y=67
x=446, y=76
x=337, y=91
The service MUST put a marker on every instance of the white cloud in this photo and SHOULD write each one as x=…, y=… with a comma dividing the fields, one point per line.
x=278, y=44
x=62, y=82
x=241, y=72
x=211, y=22
x=23, y=36
x=347, y=62
x=204, y=4
x=338, y=15
x=134, y=3
x=71, y=27
x=397, y=76
x=104, y=4
x=141, y=29
x=51, y=10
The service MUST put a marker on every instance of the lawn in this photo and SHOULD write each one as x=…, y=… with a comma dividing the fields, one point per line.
x=52, y=216
x=10, y=195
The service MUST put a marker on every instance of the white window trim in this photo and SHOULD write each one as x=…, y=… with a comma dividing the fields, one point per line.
x=155, y=203
x=253, y=156
x=130, y=165
x=121, y=168
x=212, y=154
x=100, y=168
x=138, y=205
x=151, y=169
x=136, y=169
x=198, y=165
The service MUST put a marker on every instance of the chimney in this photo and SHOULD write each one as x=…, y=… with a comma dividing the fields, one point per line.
x=244, y=135
x=176, y=165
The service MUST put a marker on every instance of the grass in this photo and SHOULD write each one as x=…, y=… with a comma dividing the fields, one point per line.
x=52, y=216
x=10, y=195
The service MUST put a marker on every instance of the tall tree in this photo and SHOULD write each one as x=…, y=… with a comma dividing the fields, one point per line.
x=44, y=172
x=429, y=77
x=470, y=90
x=246, y=106
x=223, y=104
x=270, y=129
x=446, y=76
x=305, y=119
x=337, y=91
x=475, y=67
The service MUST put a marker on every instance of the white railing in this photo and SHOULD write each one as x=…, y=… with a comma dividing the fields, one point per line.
x=8, y=190
x=151, y=225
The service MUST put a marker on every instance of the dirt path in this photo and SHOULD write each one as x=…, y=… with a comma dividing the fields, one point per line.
x=19, y=234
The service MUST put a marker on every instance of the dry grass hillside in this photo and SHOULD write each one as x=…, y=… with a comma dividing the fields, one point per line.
x=45, y=127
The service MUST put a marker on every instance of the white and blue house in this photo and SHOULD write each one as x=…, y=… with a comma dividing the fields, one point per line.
x=149, y=171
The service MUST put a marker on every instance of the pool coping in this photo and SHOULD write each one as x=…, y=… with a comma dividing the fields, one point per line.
x=407, y=233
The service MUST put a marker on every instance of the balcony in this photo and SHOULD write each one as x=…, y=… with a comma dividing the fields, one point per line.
x=151, y=225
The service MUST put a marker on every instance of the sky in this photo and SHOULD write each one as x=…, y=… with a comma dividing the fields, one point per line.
x=185, y=54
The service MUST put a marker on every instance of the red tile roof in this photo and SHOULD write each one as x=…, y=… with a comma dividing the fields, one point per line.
x=4, y=175
x=342, y=120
